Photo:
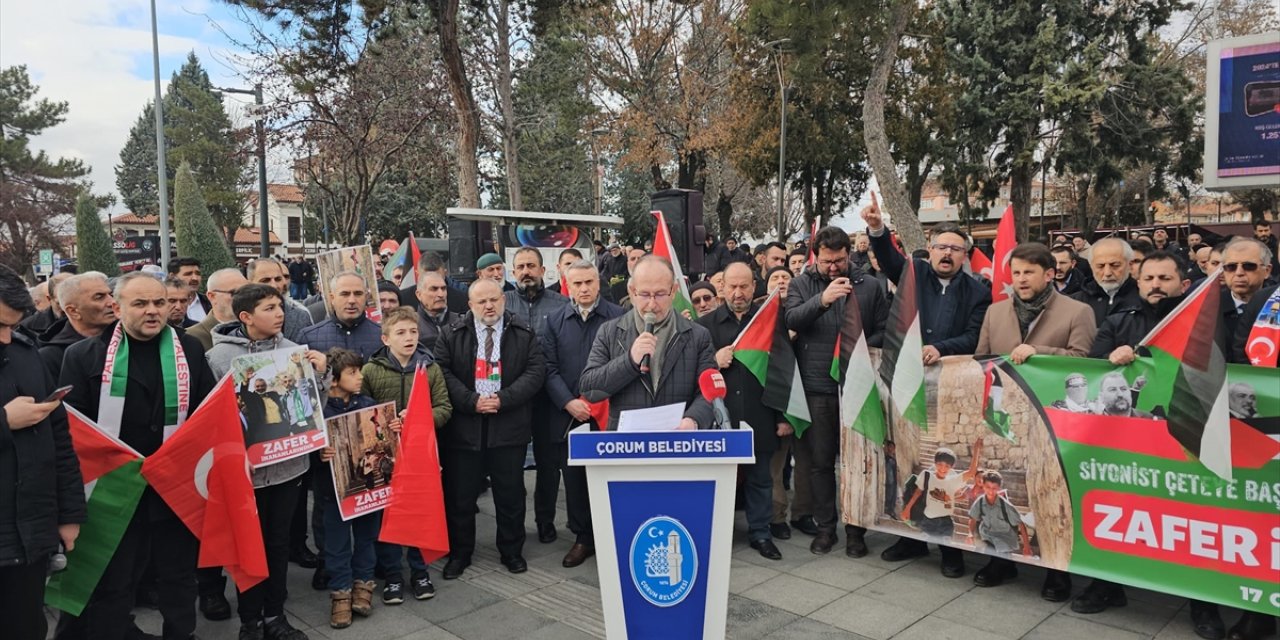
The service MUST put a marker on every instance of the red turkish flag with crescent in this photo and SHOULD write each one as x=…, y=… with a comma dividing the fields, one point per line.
x=202, y=473
x=415, y=515
x=1006, y=240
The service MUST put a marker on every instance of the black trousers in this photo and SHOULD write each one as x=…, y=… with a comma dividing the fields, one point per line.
x=822, y=443
x=22, y=592
x=173, y=548
x=298, y=526
x=548, y=455
x=275, y=512
x=463, y=476
x=577, y=501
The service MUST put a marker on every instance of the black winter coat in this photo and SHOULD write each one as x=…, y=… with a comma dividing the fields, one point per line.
x=817, y=327
x=950, y=320
x=54, y=343
x=523, y=374
x=1103, y=305
x=40, y=482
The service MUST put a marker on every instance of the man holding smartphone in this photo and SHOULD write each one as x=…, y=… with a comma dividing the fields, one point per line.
x=815, y=312
x=49, y=507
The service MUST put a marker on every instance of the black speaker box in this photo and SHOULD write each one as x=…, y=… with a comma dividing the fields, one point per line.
x=682, y=209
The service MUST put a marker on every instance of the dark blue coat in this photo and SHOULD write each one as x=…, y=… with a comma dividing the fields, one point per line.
x=364, y=337
x=566, y=344
x=950, y=321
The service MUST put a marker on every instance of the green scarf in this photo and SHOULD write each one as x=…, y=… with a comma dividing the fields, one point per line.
x=115, y=380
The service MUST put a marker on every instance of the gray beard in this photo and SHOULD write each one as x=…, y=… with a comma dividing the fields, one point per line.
x=1111, y=289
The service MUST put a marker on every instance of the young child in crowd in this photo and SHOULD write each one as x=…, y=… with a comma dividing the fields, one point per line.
x=348, y=550
x=388, y=377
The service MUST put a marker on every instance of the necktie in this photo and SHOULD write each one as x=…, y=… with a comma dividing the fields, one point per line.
x=488, y=346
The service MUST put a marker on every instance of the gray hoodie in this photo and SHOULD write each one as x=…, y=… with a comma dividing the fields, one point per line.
x=230, y=341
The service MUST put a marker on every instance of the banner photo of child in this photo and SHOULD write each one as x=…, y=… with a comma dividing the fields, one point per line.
x=280, y=406
x=355, y=259
x=365, y=450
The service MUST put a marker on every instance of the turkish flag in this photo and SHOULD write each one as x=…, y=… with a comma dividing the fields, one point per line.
x=202, y=472
x=1262, y=345
x=981, y=264
x=414, y=517
x=1006, y=240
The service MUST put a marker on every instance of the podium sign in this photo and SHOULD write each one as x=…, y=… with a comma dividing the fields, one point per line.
x=662, y=509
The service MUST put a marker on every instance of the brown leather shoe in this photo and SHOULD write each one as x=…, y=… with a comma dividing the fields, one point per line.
x=362, y=597
x=577, y=555
x=340, y=609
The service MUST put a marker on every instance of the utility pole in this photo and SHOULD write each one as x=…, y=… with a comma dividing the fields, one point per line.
x=780, y=47
x=161, y=170
x=260, y=130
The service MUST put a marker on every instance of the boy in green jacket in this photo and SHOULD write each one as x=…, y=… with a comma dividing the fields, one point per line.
x=388, y=377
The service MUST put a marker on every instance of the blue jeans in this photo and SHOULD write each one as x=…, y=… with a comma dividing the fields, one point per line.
x=757, y=492
x=343, y=562
x=297, y=290
x=389, y=560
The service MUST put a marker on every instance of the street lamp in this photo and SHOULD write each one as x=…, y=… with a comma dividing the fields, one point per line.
x=597, y=181
x=780, y=47
x=259, y=117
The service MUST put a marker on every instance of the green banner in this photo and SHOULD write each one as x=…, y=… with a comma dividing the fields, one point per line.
x=1080, y=473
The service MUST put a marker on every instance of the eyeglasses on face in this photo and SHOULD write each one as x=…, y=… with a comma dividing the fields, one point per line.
x=947, y=247
x=1247, y=267
x=648, y=297
x=703, y=299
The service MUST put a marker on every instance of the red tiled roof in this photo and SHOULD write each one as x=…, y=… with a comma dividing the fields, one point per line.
x=129, y=217
x=282, y=193
x=250, y=235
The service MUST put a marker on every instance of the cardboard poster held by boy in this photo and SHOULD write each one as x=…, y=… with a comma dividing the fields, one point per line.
x=365, y=450
x=280, y=406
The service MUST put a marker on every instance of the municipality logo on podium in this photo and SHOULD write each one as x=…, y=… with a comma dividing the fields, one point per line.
x=664, y=561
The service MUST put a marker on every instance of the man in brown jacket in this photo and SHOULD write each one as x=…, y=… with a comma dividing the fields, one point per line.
x=1037, y=320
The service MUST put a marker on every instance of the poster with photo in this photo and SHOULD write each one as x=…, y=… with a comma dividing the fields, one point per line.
x=358, y=259
x=365, y=451
x=280, y=406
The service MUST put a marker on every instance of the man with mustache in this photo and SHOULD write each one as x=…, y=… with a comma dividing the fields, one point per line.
x=348, y=328
x=952, y=306
x=533, y=303
x=1161, y=286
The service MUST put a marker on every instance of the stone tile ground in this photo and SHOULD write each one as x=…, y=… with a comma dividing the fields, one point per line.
x=800, y=597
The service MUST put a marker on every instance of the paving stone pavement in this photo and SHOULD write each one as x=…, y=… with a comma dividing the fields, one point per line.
x=800, y=597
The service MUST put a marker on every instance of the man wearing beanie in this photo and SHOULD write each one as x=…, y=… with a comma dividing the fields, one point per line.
x=490, y=266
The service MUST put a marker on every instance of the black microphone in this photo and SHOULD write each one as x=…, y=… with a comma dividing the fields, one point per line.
x=649, y=319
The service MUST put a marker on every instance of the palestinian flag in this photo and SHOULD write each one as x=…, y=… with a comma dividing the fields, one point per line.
x=1006, y=240
x=763, y=348
x=902, y=358
x=1197, y=416
x=406, y=256
x=993, y=412
x=860, y=407
x=662, y=247
x=809, y=260
x=113, y=484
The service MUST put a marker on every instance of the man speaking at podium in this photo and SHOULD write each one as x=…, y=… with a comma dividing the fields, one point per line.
x=650, y=357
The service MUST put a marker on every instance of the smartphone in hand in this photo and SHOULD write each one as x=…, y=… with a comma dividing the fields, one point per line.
x=58, y=394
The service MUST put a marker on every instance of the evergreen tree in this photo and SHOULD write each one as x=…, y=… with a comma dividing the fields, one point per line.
x=136, y=173
x=197, y=130
x=197, y=234
x=93, y=248
x=37, y=193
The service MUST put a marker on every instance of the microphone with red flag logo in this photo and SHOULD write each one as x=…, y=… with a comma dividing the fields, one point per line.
x=714, y=390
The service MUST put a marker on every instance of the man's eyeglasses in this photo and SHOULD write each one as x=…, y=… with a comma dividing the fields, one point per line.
x=659, y=297
x=826, y=264
x=230, y=293
x=1247, y=267
x=703, y=299
x=948, y=247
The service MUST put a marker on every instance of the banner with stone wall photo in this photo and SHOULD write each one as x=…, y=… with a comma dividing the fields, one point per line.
x=1090, y=480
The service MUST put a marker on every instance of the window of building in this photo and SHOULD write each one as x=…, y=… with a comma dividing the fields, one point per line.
x=295, y=230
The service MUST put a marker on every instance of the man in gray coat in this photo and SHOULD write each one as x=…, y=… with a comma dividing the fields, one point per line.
x=678, y=352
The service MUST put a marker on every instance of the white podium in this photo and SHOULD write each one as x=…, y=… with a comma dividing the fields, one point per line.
x=662, y=512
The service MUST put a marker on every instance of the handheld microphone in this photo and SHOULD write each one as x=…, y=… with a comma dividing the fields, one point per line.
x=649, y=319
x=713, y=388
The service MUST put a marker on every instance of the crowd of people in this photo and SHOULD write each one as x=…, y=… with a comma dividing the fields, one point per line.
x=513, y=362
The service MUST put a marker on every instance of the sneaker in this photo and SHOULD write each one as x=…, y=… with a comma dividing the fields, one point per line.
x=393, y=593
x=362, y=597
x=251, y=630
x=340, y=609
x=423, y=589
x=280, y=629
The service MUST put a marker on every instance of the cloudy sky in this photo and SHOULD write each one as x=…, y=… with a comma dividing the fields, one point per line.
x=96, y=56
